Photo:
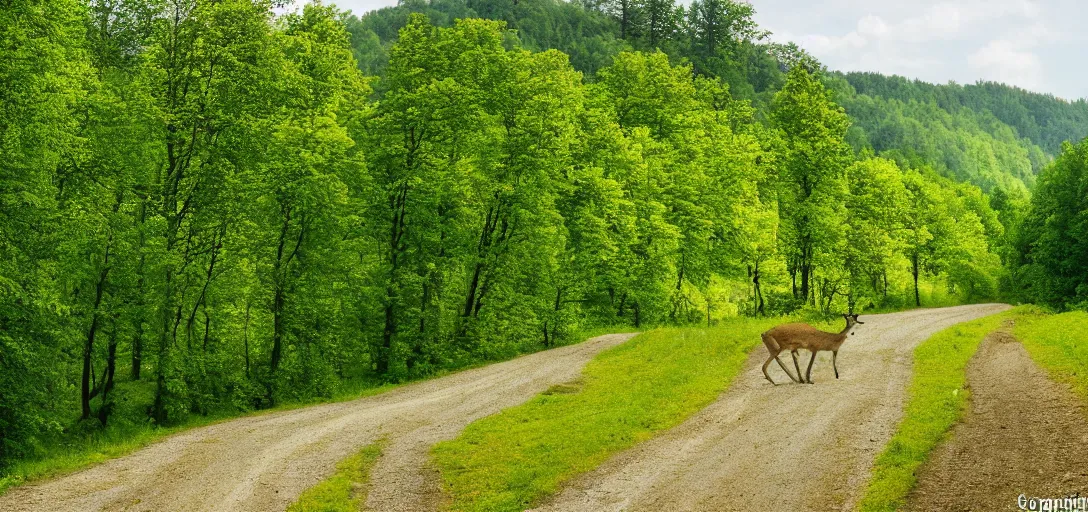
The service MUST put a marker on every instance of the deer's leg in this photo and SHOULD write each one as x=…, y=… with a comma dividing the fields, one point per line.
x=774, y=349
x=834, y=362
x=767, y=362
x=808, y=374
x=788, y=374
x=797, y=366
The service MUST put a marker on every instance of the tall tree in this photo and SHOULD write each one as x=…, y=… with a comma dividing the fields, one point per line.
x=811, y=175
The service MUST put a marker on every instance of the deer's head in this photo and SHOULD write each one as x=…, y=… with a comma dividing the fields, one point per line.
x=851, y=321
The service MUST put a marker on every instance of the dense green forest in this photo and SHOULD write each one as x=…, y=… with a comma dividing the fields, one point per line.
x=209, y=206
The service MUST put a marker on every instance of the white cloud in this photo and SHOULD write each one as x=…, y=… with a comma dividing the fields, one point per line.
x=1005, y=61
x=1022, y=42
x=872, y=26
x=819, y=44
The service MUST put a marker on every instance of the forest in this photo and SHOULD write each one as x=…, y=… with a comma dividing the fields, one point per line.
x=211, y=206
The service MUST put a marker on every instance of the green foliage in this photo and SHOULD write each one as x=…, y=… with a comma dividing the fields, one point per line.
x=1056, y=342
x=937, y=398
x=45, y=75
x=811, y=177
x=1051, y=247
x=344, y=491
x=1043, y=119
x=510, y=460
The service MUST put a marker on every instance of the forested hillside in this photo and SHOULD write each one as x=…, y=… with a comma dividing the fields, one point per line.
x=992, y=135
x=209, y=207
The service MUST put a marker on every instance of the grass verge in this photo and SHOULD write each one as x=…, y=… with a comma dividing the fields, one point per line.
x=345, y=490
x=937, y=400
x=1059, y=344
x=509, y=461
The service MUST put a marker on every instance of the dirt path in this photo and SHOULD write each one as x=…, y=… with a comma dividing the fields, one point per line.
x=790, y=447
x=262, y=463
x=1024, y=434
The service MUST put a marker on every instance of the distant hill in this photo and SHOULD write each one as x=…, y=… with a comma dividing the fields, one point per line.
x=989, y=134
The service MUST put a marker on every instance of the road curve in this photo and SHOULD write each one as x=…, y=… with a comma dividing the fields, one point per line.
x=263, y=462
x=790, y=447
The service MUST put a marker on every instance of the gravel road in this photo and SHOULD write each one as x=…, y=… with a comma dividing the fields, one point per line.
x=263, y=462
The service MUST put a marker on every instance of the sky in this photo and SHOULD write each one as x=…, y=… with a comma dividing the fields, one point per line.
x=1034, y=44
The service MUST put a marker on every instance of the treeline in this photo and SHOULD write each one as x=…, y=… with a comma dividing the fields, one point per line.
x=992, y=135
x=717, y=37
x=204, y=207
x=963, y=145
x=1044, y=119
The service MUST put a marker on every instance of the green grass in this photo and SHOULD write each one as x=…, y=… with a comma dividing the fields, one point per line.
x=1059, y=344
x=937, y=400
x=79, y=452
x=511, y=460
x=345, y=490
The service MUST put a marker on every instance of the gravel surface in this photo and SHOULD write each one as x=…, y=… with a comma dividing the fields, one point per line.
x=790, y=447
x=1024, y=434
x=264, y=462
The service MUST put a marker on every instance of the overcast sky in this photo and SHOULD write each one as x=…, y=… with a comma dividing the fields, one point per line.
x=1035, y=44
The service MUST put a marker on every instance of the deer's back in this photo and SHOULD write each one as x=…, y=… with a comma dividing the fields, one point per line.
x=793, y=336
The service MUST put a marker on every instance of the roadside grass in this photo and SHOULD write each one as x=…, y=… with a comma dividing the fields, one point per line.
x=1059, y=344
x=937, y=400
x=511, y=460
x=78, y=452
x=344, y=491
x=85, y=444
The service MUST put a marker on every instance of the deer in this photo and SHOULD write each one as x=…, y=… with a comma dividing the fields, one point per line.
x=793, y=337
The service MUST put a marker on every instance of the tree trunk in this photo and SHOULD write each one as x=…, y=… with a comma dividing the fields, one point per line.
x=277, y=329
x=245, y=336
x=107, y=386
x=806, y=291
x=138, y=337
x=758, y=291
x=280, y=270
x=915, y=271
x=397, y=204
x=88, y=346
x=88, y=354
x=474, y=284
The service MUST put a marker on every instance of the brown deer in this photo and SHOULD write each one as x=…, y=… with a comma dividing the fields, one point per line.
x=793, y=337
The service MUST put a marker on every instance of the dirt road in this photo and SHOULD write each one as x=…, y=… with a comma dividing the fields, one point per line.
x=262, y=463
x=1024, y=434
x=790, y=447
